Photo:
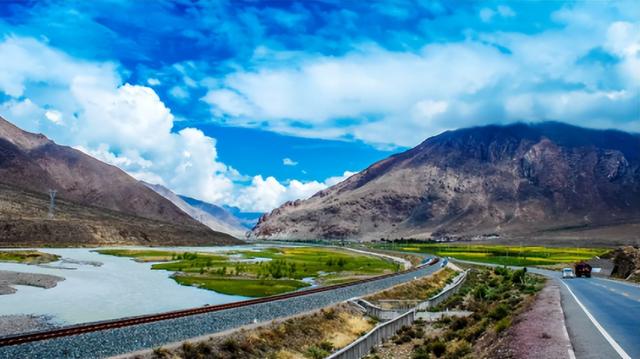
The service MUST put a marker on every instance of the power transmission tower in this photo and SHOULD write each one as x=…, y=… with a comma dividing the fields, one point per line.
x=52, y=203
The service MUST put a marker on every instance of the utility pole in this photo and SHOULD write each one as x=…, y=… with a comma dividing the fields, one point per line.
x=52, y=203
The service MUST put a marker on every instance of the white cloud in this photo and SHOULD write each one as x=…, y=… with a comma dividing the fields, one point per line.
x=128, y=126
x=264, y=194
x=54, y=116
x=389, y=98
x=289, y=162
x=179, y=93
x=152, y=81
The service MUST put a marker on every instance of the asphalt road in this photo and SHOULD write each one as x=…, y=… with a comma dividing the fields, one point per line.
x=602, y=315
x=612, y=326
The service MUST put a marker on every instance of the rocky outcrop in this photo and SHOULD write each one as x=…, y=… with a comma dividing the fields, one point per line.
x=626, y=263
x=499, y=180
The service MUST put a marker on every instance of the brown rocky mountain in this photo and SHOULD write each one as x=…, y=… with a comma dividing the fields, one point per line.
x=34, y=164
x=516, y=181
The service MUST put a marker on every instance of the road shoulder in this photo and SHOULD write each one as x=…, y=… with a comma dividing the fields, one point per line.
x=539, y=332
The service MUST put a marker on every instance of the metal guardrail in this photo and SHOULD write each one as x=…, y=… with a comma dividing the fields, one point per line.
x=386, y=330
x=377, y=335
x=447, y=292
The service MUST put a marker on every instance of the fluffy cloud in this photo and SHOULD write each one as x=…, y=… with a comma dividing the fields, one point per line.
x=125, y=125
x=396, y=98
x=264, y=194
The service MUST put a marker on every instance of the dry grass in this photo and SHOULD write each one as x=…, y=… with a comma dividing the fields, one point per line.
x=421, y=289
x=307, y=336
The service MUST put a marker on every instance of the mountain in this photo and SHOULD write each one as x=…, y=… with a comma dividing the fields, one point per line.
x=228, y=214
x=31, y=164
x=516, y=181
x=217, y=218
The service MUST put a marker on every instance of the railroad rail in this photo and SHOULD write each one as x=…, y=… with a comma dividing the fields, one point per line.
x=130, y=321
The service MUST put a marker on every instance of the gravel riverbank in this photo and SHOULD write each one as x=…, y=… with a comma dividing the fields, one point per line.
x=9, y=278
x=17, y=324
x=124, y=340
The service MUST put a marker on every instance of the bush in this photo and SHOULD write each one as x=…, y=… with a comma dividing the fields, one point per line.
x=503, y=324
x=438, y=348
x=316, y=353
x=458, y=349
x=328, y=346
x=459, y=323
x=230, y=346
x=499, y=312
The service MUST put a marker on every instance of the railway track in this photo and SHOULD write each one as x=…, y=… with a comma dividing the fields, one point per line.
x=125, y=322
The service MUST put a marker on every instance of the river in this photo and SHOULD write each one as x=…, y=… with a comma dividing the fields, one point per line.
x=120, y=287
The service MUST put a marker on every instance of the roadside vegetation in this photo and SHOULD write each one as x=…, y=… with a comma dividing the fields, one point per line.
x=494, y=296
x=312, y=336
x=257, y=273
x=500, y=254
x=27, y=257
x=413, y=292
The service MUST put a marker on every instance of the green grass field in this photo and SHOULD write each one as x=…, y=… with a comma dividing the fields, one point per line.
x=27, y=257
x=242, y=286
x=264, y=272
x=499, y=254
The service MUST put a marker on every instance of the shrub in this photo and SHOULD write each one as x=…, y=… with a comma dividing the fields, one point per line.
x=438, y=348
x=503, y=324
x=458, y=349
x=499, y=312
x=329, y=314
x=230, y=345
x=161, y=353
x=459, y=323
x=328, y=346
x=314, y=352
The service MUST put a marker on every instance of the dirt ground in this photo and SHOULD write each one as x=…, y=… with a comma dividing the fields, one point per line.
x=539, y=332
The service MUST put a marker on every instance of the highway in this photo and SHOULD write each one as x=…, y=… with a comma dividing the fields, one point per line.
x=606, y=321
x=602, y=315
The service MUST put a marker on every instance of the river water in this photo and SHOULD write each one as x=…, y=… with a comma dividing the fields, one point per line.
x=120, y=287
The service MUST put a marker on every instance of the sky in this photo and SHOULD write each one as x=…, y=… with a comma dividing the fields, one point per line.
x=253, y=103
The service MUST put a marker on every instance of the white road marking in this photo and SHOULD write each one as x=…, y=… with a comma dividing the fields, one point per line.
x=570, y=351
x=604, y=333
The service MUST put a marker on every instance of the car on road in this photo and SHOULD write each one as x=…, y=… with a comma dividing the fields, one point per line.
x=567, y=273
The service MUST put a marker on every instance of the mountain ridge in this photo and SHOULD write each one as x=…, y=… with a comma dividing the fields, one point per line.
x=220, y=221
x=31, y=165
x=497, y=179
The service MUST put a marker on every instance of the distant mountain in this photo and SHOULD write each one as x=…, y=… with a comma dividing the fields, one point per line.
x=34, y=164
x=232, y=215
x=215, y=218
x=546, y=179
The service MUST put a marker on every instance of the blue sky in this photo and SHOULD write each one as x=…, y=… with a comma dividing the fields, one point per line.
x=252, y=103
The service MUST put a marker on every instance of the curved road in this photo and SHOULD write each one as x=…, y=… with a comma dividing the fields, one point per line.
x=602, y=315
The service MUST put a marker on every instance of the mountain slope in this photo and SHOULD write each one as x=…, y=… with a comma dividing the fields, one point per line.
x=35, y=163
x=227, y=214
x=507, y=180
x=24, y=222
x=31, y=163
x=223, y=223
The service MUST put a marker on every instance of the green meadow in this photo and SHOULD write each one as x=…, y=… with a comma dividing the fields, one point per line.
x=264, y=272
x=500, y=254
x=27, y=257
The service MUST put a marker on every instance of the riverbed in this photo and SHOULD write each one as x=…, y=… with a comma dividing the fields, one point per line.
x=119, y=287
